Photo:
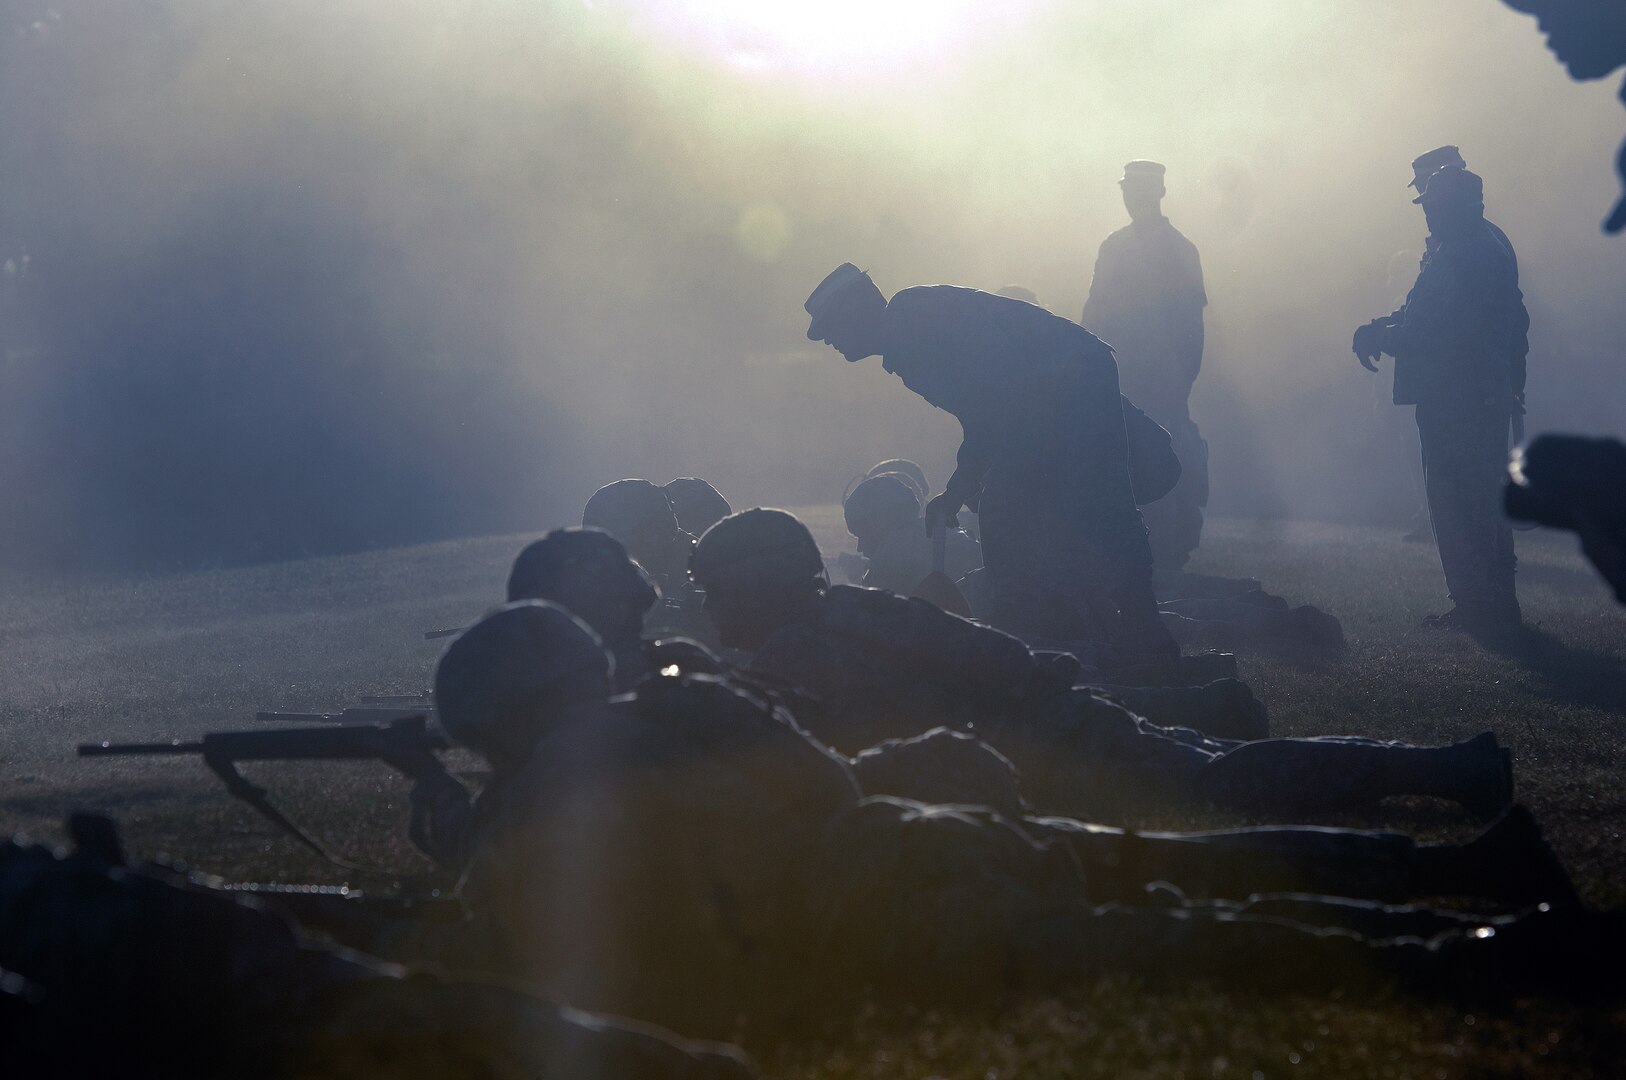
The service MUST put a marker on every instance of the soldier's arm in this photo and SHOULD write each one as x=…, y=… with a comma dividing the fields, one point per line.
x=442, y=818
x=1099, y=304
x=971, y=464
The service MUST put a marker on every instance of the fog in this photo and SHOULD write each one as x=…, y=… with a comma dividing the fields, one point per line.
x=280, y=277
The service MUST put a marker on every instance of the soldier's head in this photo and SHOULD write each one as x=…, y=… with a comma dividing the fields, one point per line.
x=879, y=506
x=589, y=574
x=760, y=570
x=1587, y=36
x=905, y=470
x=637, y=513
x=1452, y=199
x=697, y=504
x=511, y=677
x=1142, y=185
x=847, y=312
x=1426, y=165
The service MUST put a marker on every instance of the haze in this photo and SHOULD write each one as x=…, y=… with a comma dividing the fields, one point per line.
x=279, y=278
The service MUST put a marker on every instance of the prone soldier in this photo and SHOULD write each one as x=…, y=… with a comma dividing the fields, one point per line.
x=886, y=667
x=676, y=852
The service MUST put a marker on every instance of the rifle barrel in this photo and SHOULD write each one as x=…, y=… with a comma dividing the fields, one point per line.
x=175, y=746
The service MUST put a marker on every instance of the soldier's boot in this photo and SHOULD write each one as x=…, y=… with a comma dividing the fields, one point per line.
x=1509, y=861
x=1140, y=635
x=1296, y=775
x=1222, y=709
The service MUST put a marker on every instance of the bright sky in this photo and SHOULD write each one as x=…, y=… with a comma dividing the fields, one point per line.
x=826, y=39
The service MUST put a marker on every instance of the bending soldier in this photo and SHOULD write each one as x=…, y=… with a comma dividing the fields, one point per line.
x=1044, y=456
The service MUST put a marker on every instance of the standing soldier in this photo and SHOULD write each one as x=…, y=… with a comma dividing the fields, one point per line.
x=1146, y=301
x=1456, y=345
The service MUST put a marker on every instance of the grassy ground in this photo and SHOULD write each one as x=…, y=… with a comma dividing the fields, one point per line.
x=175, y=656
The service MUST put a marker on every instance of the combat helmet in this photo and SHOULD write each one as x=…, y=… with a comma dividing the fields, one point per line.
x=756, y=549
x=696, y=503
x=568, y=560
x=905, y=470
x=880, y=504
x=495, y=682
x=630, y=508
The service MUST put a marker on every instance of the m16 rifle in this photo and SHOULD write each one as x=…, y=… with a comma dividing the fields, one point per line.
x=400, y=741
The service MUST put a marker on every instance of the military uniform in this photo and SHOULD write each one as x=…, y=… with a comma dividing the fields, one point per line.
x=882, y=667
x=1146, y=300
x=147, y=973
x=1044, y=460
x=1459, y=346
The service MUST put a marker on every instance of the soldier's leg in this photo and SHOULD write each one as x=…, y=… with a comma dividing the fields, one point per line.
x=1086, y=756
x=1509, y=862
x=1224, y=709
x=1464, y=460
x=1307, y=775
x=1312, y=945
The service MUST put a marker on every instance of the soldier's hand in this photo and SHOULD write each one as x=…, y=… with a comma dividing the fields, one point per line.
x=943, y=512
x=1367, y=345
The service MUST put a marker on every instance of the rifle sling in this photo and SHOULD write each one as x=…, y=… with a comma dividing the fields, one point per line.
x=255, y=796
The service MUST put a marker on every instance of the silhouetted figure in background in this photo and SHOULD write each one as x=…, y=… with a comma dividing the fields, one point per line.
x=883, y=515
x=1589, y=38
x=1456, y=350
x=696, y=503
x=1425, y=166
x=639, y=514
x=1044, y=456
x=1146, y=301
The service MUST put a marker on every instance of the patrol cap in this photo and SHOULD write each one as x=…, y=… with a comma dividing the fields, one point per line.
x=838, y=284
x=1452, y=184
x=494, y=676
x=880, y=502
x=1425, y=165
x=756, y=549
x=696, y=503
x=1143, y=172
x=545, y=568
x=627, y=507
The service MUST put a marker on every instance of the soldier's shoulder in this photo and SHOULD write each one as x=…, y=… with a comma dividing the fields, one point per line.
x=919, y=300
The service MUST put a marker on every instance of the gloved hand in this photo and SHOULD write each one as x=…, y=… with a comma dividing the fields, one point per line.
x=1368, y=344
x=943, y=512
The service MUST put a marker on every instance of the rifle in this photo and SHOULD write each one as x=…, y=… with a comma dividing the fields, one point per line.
x=348, y=717
x=223, y=750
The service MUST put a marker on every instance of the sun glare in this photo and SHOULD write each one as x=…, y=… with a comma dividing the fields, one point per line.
x=827, y=38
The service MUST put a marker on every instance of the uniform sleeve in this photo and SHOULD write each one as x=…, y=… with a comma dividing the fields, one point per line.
x=1104, y=301
x=442, y=819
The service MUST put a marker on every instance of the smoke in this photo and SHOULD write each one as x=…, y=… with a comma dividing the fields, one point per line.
x=284, y=277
